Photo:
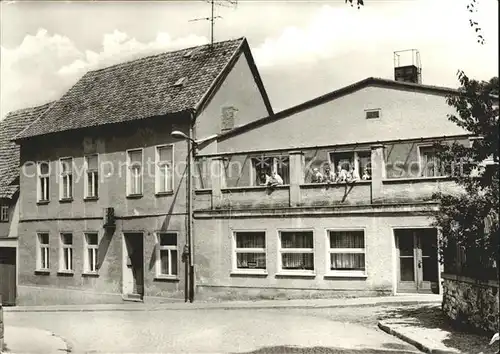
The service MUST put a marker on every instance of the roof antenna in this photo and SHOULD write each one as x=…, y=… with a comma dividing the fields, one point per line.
x=212, y=18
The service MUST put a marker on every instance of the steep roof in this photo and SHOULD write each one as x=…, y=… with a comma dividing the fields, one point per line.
x=152, y=86
x=13, y=124
x=370, y=81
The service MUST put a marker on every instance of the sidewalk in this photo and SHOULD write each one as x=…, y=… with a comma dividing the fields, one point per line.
x=427, y=328
x=261, y=304
x=21, y=340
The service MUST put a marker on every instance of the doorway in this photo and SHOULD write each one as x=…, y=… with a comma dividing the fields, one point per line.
x=8, y=282
x=417, y=260
x=133, y=266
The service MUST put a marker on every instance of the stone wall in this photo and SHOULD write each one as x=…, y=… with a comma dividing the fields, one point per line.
x=467, y=301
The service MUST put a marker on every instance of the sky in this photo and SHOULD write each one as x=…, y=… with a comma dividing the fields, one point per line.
x=302, y=49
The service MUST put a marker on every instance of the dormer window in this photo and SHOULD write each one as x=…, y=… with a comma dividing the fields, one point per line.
x=372, y=113
x=181, y=81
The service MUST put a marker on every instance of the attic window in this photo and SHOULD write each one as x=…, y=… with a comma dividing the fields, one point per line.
x=191, y=53
x=181, y=81
x=372, y=113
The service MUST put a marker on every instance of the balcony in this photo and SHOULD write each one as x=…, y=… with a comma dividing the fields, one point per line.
x=234, y=184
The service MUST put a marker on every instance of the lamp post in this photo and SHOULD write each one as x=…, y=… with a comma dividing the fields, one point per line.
x=189, y=279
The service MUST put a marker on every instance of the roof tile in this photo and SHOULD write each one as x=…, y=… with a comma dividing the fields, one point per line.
x=137, y=89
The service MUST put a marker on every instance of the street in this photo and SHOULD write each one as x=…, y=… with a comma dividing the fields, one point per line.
x=335, y=330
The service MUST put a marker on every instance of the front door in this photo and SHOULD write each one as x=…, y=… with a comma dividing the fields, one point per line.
x=8, y=275
x=133, y=267
x=417, y=260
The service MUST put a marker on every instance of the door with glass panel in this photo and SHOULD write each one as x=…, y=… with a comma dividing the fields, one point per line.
x=417, y=257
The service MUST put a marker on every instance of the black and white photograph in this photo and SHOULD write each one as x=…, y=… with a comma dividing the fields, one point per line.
x=249, y=177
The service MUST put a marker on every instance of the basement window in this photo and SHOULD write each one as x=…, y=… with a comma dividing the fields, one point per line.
x=372, y=113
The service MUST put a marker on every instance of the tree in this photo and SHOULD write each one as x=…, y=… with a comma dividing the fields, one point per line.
x=470, y=220
x=471, y=7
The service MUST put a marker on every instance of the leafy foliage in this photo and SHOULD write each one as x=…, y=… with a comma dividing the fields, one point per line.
x=470, y=220
x=359, y=3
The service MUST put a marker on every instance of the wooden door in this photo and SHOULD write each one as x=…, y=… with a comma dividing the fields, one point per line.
x=8, y=284
x=417, y=260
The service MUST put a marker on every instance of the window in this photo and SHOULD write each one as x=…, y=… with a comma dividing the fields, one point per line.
x=167, y=255
x=250, y=250
x=429, y=162
x=92, y=178
x=42, y=262
x=297, y=251
x=66, y=178
x=164, y=168
x=90, y=257
x=66, y=255
x=4, y=213
x=265, y=165
x=347, y=252
x=359, y=161
x=372, y=113
x=134, y=176
x=43, y=181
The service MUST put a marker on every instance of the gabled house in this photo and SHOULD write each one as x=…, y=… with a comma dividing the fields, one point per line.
x=350, y=214
x=12, y=125
x=103, y=205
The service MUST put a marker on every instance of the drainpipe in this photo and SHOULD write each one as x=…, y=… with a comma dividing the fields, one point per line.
x=192, y=148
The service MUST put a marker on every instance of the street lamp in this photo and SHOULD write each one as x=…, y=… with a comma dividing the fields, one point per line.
x=189, y=278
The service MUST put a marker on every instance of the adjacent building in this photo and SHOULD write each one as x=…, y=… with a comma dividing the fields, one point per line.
x=103, y=204
x=12, y=125
x=302, y=238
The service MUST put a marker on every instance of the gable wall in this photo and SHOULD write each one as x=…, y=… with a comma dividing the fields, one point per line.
x=404, y=115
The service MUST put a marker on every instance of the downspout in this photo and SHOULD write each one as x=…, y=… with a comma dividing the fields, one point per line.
x=192, y=152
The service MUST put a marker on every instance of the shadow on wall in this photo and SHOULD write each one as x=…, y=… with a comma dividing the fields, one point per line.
x=166, y=222
x=103, y=247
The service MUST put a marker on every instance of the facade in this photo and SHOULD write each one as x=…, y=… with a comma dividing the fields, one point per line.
x=103, y=208
x=13, y=124
x=305, y=237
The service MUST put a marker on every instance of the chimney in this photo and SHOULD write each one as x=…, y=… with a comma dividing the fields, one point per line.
x=407, y=66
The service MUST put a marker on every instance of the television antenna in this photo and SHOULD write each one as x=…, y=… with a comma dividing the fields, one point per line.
x=213, y=17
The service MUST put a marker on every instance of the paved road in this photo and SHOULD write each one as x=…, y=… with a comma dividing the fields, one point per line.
x=327, y=331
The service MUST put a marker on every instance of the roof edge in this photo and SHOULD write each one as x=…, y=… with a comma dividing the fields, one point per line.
x=219, y=79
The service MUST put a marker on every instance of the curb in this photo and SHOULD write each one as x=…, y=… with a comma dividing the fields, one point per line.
x=215, y=307
x=415, y=343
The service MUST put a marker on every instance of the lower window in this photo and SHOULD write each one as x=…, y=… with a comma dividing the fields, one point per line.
x=250, y=250
x=91, y=246
x=66, y=255
x=167, y=254
x=347, y=252
x=297, y=250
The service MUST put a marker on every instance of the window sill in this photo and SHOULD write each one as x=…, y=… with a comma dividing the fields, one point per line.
x=298, y=274
x=134, y=196
x=43, y=202
x=416, y=179
x=333, y=184
x=166, y=278
x=162, y=194
x=66, y=200
x=248, y=272
x=340, y=274
x=253, y=188
x=4, y=221
x=88, y=199
x=68, y=273
x=90, y=274
x=42, y=272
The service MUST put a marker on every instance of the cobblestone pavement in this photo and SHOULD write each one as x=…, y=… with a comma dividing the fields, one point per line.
x=339, y=330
